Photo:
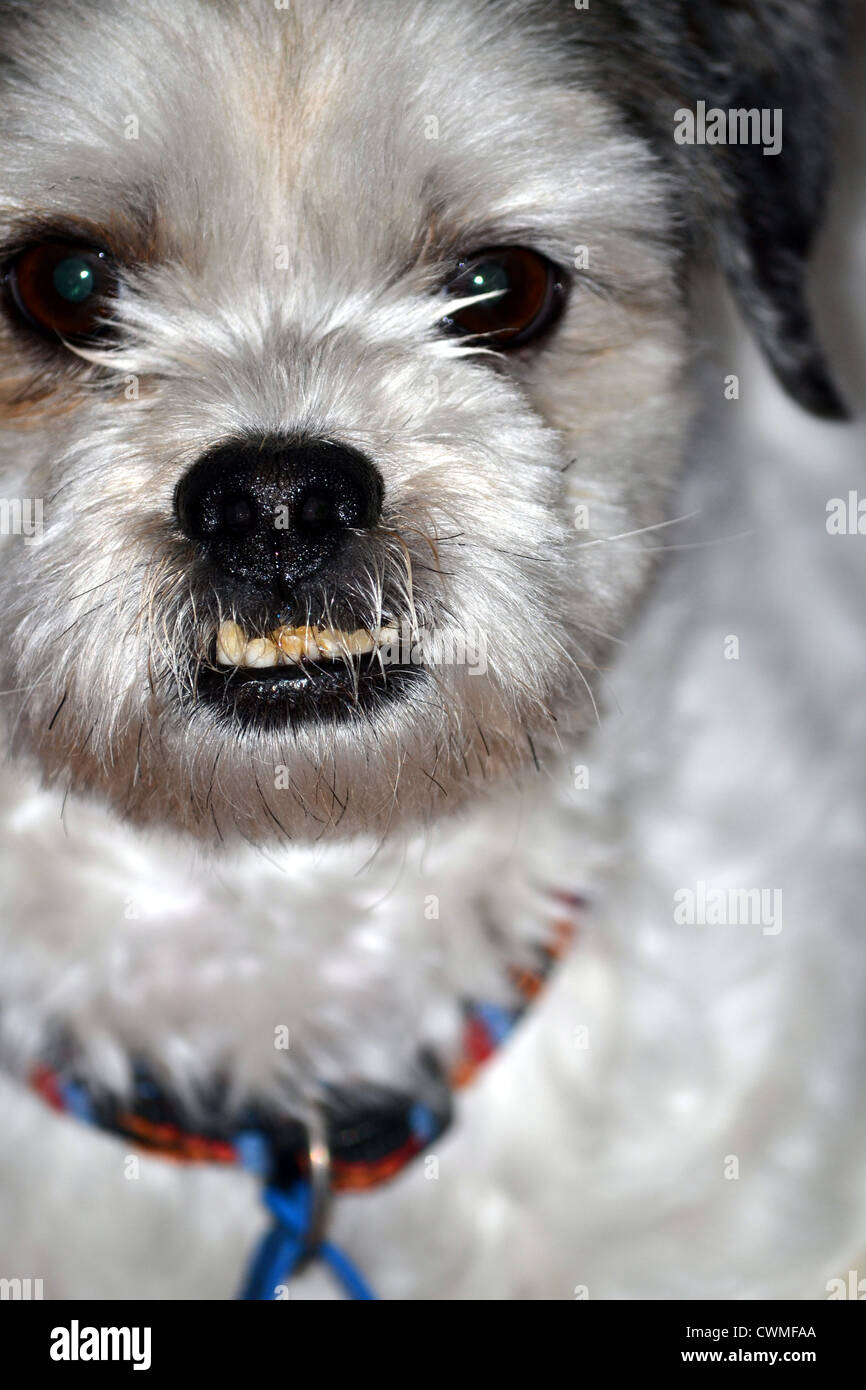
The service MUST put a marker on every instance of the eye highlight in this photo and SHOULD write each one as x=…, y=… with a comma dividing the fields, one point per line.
x=61, y=289
x=527, y=294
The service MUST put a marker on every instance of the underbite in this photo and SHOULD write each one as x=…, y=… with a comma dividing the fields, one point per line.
x=293, y=646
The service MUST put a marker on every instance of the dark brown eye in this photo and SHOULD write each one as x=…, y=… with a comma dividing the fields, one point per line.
x=61, y=289
x=527, y=292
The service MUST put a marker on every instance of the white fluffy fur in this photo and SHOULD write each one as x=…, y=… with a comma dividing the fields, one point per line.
x=600, y=1166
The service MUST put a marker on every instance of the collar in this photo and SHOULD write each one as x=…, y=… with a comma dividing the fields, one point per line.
x=366, y=1135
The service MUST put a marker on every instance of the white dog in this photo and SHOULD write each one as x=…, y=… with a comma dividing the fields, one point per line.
x=346, y=380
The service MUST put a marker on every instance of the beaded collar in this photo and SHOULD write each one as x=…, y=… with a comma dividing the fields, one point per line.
x=365, y=1136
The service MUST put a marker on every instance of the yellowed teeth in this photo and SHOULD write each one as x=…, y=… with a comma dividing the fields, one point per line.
x=290, y=646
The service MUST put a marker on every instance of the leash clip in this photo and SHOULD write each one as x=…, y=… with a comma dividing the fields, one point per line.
x=321, y=1190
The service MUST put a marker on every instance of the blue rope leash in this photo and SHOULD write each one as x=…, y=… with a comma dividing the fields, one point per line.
x=284, y=1245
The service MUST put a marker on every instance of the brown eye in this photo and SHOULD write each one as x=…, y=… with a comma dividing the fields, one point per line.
x=61, y=289
x=526, y=290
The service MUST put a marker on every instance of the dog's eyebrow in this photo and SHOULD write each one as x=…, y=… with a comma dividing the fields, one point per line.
x=443, y=241
x=131, y=235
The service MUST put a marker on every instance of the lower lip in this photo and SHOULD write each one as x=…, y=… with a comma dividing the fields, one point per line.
x=275, y=697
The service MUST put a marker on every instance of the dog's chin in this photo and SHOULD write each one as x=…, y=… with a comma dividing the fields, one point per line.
x=293, y=755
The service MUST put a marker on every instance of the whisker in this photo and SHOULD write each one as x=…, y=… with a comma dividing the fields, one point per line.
x=641, y=531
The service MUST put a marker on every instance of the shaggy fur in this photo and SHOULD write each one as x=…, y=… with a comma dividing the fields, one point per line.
x=286, y=217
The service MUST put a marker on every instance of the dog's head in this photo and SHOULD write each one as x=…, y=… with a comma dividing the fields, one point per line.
x=336, y=340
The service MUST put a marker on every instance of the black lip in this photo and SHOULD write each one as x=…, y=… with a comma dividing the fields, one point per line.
x=274, y=697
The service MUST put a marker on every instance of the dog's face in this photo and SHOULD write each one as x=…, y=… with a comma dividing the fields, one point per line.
x=318, y=322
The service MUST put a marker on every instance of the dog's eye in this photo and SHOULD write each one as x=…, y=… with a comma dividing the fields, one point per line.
x=526, y=294
x=61, y=289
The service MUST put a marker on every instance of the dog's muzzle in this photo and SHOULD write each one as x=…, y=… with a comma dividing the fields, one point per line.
x=274, y=520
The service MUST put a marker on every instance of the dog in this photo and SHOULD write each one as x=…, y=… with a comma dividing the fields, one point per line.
x=349, y=367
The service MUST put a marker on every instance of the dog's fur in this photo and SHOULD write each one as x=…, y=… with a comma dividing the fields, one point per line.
x=164, y=899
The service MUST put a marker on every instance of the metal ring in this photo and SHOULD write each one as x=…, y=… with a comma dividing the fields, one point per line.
x=321, y=1192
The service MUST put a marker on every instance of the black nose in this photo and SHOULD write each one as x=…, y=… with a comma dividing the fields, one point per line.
x=272, y=511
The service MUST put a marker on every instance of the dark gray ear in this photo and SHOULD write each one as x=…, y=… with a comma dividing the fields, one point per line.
x=758, y=212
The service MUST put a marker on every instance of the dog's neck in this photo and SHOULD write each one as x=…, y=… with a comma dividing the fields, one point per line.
x=281, y=971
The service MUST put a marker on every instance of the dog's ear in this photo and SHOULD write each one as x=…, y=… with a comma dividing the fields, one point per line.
x=758, y=212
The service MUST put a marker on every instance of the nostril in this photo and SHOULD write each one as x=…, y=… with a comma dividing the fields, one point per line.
x=239, y=516
x=334, y=489
x=317, y=511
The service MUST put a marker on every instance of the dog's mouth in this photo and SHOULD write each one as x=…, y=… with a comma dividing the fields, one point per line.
x=293, y=673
